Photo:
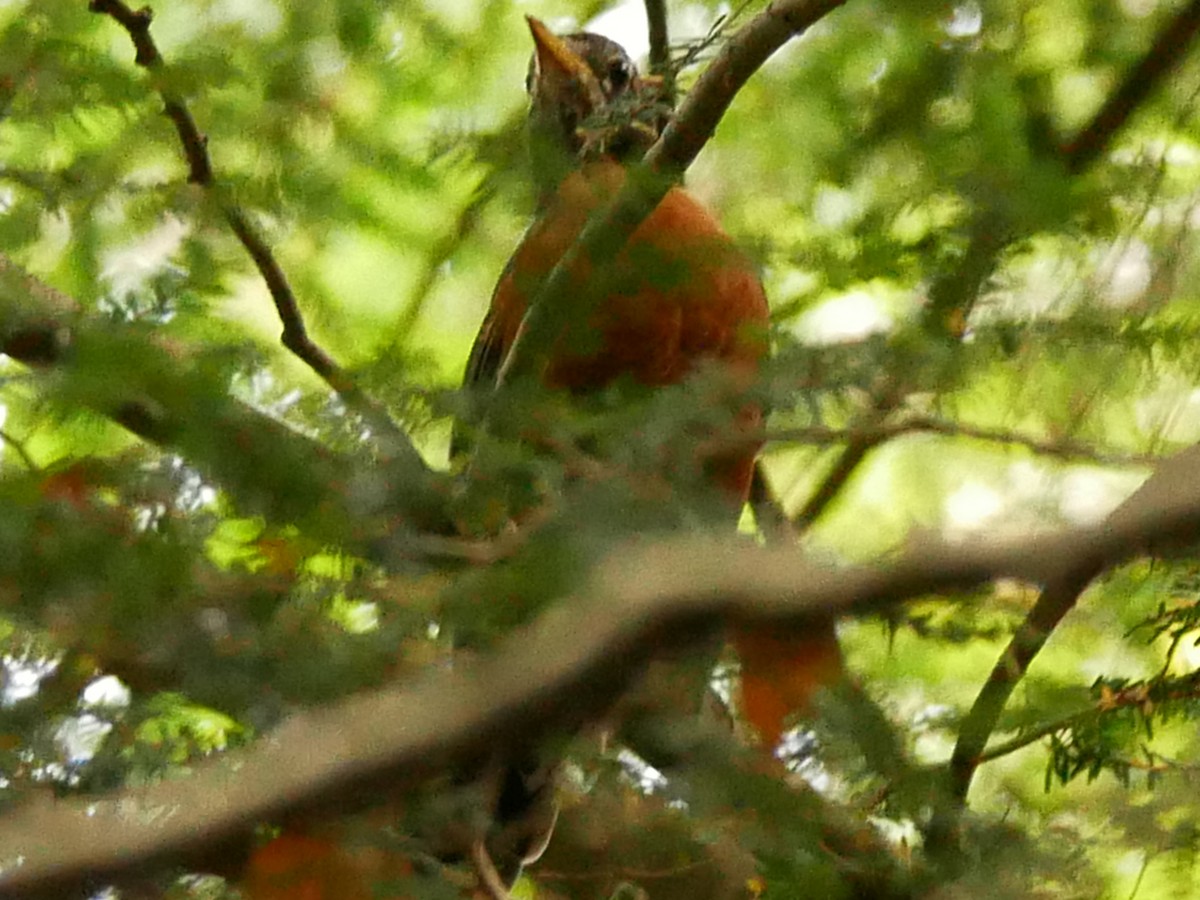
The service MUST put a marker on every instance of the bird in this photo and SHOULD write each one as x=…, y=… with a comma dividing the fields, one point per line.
x=684, y=296
x=591, y=116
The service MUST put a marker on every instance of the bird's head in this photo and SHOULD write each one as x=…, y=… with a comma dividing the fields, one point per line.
x=587, y=101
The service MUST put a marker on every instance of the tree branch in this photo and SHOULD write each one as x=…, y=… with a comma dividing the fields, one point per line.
x=1060, y=449
x=769, y=514
x=852, y=456
x=947, y=313
x=953, y=295
x=567, y=667
x=163, y=395
x=847, y=463
x=660, y=41
x=1160, y=60
x=18, y=447
x=1024, y=739
x=660, y=47
x=1059, y=596
x=295, y=337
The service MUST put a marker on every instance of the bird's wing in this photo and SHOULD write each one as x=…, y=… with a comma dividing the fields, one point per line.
x=484, y=362
x=487, y=354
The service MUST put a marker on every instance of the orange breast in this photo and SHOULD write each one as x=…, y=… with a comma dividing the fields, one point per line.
x=683, y=293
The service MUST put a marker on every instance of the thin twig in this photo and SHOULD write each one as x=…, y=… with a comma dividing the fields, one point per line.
x=951, y=296
x=295, y=335
x=137, y=23
x=855, y=452
x=769, y=514
x=19, y=448
x=1142, y=695
x=630, y=873
x=847, y=463
x=660, y=47
x=1137, y=884
x=1025, y=738
x=1060, y=449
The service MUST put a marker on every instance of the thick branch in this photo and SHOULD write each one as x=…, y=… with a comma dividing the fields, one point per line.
x=1058, y=598
x=1160, y=60
x=295, y=335
x=569, y=666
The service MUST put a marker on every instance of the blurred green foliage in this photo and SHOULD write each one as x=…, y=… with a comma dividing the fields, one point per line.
x=379, y=147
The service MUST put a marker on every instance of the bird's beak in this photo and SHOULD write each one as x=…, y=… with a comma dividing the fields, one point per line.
x=562, y=73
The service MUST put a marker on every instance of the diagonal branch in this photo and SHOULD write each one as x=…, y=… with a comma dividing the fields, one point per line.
x=569, y=666
x=852, y=456
x=1146, y=696
x=988, y=241
x=295, y=335
x=1058, y=598
x=953, y=296
x=1167, y=51
x=769, y=514
x=465, y=223
x=18, y=447
x=844, y=467
x=951, y=300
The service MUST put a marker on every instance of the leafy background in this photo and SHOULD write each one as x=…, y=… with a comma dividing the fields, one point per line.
x=151, y=614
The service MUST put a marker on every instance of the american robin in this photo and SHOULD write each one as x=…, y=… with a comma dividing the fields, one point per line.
x=591, y=114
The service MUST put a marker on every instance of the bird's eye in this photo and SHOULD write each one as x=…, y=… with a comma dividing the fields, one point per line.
x=619, y=73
